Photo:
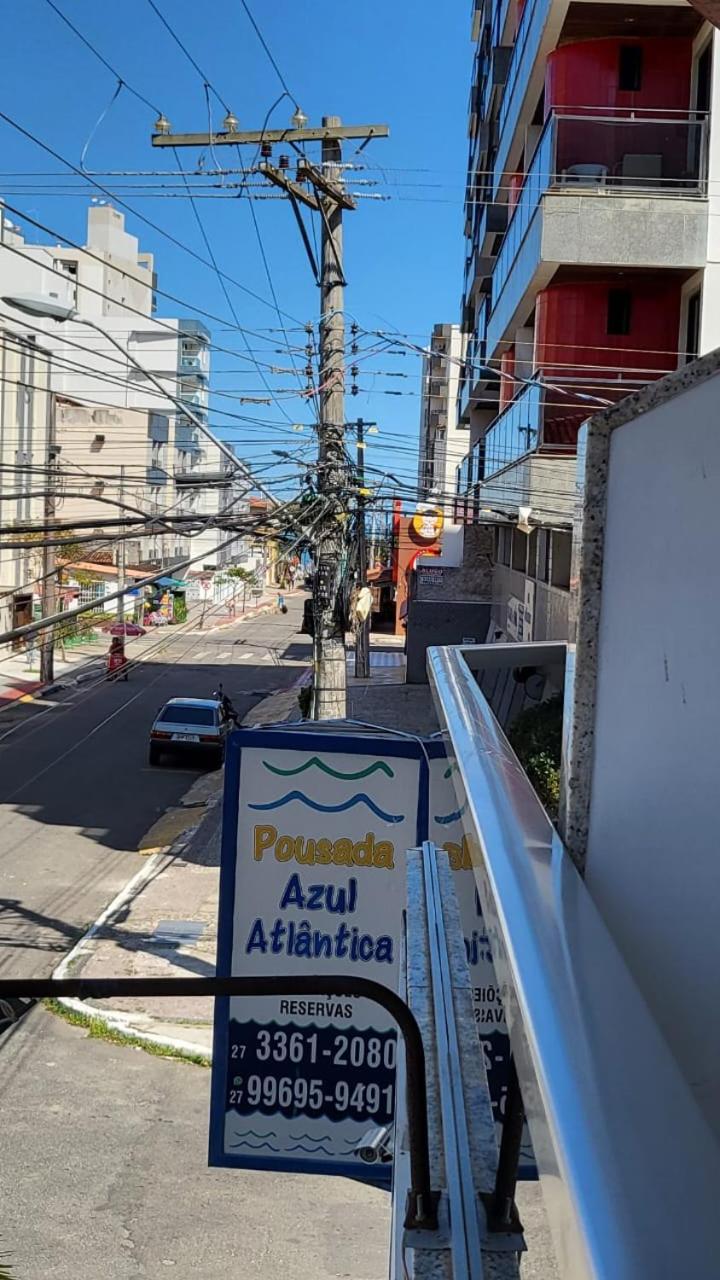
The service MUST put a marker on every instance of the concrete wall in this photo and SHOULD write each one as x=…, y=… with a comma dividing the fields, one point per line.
x=432, y=622
x=640, y=802
x=624, y=231
x=551, y=604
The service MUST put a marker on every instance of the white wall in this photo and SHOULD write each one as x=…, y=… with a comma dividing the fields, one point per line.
x=653, y=858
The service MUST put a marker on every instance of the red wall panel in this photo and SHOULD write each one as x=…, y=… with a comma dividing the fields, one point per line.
x=585, y=74
x=571, y=335
x=507, y=384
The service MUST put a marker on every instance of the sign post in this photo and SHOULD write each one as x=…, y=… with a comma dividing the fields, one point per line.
x=315, y=831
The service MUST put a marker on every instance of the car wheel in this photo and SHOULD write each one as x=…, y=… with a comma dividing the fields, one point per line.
x=154, y=754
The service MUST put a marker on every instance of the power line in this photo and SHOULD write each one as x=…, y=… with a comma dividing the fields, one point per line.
x=26, y=133
x=89, y=45
x=265, y=46
x=173, y=33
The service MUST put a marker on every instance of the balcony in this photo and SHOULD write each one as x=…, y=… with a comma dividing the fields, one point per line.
x=194, y=364
x=516, y=431
x=603, y=191
x=186, y=437
x=156, y=476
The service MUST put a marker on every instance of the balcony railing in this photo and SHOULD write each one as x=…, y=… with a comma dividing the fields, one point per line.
x=608, y=155
x=516, y=431
x=621, y=1145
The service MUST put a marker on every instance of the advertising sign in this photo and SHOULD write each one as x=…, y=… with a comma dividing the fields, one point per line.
x=315, y=831
x=448, y=830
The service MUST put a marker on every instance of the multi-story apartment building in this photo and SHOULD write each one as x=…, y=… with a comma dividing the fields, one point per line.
x=111, y=284
x=25, y=455
x=442, y=441
x=592, y=261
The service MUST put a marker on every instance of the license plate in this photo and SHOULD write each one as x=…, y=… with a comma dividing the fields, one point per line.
x=185, y=737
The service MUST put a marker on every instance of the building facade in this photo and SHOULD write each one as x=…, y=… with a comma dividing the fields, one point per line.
x=111, y=284
x=592, y=266
x=25, y=455
x=442, y=440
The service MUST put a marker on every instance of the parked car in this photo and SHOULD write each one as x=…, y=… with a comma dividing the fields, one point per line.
x=189, y=725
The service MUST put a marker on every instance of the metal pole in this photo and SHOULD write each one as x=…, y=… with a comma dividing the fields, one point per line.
x=120, y=610
x=422, y=1202
x=49, y=572
x=329, y=694
x=362, y=626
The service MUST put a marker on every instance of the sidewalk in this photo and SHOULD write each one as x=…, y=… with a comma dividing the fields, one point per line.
x=19, y=680
x=164, y=924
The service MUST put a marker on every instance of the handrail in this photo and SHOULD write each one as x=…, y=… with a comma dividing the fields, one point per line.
x=629, y=1167
x=422, y=1200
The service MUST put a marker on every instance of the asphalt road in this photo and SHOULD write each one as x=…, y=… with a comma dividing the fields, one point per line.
x=103, y=1173
x=77, y=793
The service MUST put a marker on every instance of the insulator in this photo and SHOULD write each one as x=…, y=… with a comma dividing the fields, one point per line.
x=283, y=162
x=266, y=150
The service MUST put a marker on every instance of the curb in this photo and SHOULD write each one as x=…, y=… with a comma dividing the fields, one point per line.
x=116, y=1019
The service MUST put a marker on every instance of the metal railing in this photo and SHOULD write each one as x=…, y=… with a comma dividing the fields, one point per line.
x=628, y=1165
x=619, y=154
x=421, y=1211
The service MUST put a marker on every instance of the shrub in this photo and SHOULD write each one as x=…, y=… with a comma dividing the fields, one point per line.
x=536, y=738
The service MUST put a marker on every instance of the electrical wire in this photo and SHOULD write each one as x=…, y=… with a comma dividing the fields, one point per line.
x=109, y=67
x=173, y=33
x=179, y=244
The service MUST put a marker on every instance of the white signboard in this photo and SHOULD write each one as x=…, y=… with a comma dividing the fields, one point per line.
x=315, y=832
x=449, y=829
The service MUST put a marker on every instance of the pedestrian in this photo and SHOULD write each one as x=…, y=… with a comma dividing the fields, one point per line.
x=281, y=602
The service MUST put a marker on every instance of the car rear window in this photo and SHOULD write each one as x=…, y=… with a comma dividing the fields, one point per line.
x=187, y=715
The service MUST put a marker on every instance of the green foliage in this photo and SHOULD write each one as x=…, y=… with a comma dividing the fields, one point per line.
x=180, y=611
x=99, y=1030
x=536, y=738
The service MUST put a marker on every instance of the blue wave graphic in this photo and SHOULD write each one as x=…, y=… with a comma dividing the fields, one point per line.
x=309, y=1137
x=360, y=798
x=446, y=818
x=255, y=1147
x=250, y=1133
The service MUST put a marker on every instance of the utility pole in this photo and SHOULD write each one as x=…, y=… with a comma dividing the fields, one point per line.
x=49, y=566
x=120, y=609
x=327, y=197
x=362, y=625
x=329, y=694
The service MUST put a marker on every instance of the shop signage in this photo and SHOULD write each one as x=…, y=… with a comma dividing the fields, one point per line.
x=315, y=831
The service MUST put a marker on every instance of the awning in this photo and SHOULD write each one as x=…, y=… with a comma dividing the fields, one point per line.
x=170, y=582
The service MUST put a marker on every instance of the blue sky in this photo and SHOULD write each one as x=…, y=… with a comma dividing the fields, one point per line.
x=405, y=64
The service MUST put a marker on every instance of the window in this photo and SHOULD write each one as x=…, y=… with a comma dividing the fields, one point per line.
x=692, y=327
x=504, y=544
x=630, y=66
x=619, y=311
x=703, y=79
x=560, y=565
x=183, y=714
x=519, y=550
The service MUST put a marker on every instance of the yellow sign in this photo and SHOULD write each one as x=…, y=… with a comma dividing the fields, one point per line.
x=427, y=523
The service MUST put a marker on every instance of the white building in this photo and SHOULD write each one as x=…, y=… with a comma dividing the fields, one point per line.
x=443, y=442
x=25, y=420
x=111, y=284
